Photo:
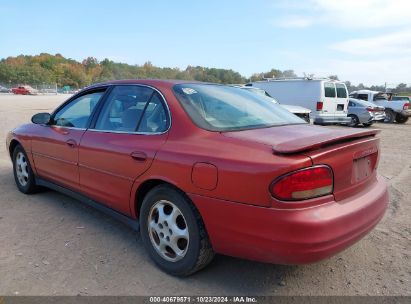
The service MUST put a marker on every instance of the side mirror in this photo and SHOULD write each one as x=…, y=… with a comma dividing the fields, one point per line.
x=41, y=118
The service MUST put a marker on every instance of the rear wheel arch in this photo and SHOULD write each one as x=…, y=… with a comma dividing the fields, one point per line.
x=150, y=184
x=146, y=187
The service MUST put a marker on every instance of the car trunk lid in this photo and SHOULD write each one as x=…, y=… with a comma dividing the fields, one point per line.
x=352, y=154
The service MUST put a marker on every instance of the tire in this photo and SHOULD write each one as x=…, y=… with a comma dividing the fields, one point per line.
x=354, y=120
x=23, y=174
x=401, y=118
x=367, y=124
x=173, y=232
x=389, y=116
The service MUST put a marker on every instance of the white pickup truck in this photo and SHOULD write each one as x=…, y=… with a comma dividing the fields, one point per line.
x=395, y=110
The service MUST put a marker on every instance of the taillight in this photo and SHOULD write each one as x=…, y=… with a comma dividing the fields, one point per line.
x=406, y=106
x=371, y=109
x=303, y=184
x=319, y=105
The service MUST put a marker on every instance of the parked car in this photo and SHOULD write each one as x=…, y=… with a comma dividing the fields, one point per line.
x=395, y=110
x=205, y=168
x=326, y=98
x=301, y=112
x=24, y=90
x=364, y=112
x=4, y=90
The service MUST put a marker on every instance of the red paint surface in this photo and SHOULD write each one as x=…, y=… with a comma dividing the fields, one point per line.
x=204, y=176
x=241, y=216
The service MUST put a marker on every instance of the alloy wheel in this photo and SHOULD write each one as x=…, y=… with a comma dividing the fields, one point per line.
x=22, y=169
x=168, y=230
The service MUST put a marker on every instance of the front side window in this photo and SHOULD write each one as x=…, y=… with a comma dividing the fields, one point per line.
x=76, y=114
x=341, y=90
x=133, y=109
x=225, y=108
x=329, y=89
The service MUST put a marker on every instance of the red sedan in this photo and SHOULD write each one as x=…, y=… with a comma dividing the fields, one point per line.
x=24, y=90
x=205, y=168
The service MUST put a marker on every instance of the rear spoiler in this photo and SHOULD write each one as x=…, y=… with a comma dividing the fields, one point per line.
x=313, y=142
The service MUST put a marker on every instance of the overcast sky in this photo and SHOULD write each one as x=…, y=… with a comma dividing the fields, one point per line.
x=366, y=41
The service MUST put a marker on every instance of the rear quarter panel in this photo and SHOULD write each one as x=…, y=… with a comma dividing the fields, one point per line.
x=245, y=169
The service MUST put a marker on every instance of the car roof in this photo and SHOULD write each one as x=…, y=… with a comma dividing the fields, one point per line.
x=151, y=82
x=366, y=92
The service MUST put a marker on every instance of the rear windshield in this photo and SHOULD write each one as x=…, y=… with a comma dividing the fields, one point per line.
x=224, y=108
x=329, y=89
x=381, y=96
x=341, y=90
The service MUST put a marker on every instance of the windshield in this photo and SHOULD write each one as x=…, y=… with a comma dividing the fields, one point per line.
x=225, y=108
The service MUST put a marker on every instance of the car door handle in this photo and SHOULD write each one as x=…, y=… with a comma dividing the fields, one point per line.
x=139, y=156
x=71, y=143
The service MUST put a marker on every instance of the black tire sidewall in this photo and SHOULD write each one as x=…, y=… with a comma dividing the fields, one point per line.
x=354, y=120
x=391, y=115
x=401, y=119
x=28, y=188
x=188, y=262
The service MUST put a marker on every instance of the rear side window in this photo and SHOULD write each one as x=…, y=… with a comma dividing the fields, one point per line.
x=341, y=90
x=133, y=109
x=381, y=96
x=329, y=89
x=155, y=117
x=362, y=96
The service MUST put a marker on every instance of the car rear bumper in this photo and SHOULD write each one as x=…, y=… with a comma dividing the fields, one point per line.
x=291, y=236
x=332, y=120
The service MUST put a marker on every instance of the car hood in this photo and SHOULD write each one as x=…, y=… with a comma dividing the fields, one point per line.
x=299, y=138
x=296, y=109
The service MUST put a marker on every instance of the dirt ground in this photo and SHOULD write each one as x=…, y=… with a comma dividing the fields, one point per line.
x=51, y=244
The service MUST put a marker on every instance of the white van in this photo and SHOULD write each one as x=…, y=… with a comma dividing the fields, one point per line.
x=328, y=99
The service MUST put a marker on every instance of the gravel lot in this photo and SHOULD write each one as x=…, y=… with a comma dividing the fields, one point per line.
x=51, y=244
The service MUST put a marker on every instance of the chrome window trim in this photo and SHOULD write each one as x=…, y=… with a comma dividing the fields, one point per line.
x=140, y=133
x=63, y=127
x=128, y=132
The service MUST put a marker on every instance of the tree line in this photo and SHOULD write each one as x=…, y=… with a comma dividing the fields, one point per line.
x=49, y=69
